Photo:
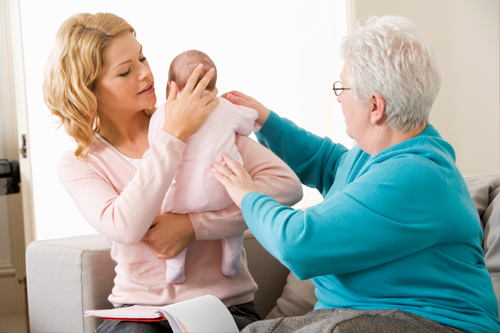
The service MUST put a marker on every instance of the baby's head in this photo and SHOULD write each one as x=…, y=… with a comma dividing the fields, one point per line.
x=183, y=65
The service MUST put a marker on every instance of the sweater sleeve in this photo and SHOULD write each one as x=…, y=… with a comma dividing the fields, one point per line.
x=395, y=209
x=272, y=177
x=121, y=216
x=311, y=157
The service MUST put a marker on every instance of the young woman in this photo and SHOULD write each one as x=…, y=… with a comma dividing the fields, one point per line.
x=99, y=84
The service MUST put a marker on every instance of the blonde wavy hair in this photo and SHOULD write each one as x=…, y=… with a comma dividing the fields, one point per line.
x=74, y=64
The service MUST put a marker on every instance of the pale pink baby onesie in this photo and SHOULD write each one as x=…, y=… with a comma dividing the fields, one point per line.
x=193, y=189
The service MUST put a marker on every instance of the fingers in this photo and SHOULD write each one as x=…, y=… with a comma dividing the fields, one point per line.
x=209, y=96
x=172, y=94
x=202, y=85
x=234, y=166
x=222, y=170
x=232, y=92
x=146, y=241
x=221, y=178
x=167, y=93
x=155, y=222
x=236, y=93
x=193, y=79
x=237, y=183
x=160, y=255
x=238, y=98
x=212, y=105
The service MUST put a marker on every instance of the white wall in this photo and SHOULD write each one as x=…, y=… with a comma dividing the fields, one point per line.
x=466, y=36
x=320, y=27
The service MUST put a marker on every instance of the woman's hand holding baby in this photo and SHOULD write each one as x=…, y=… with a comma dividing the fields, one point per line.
x=234, y=178
x=185, y=114
x=240, y=98
x=169, y=235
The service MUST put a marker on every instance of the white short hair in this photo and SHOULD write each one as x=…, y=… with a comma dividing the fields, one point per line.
x=391, y=56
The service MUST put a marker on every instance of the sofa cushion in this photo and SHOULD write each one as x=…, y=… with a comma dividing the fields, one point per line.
x=298, y=296
x=491, y=243
x=484, y=190
x=297, y=299
x=269, y=274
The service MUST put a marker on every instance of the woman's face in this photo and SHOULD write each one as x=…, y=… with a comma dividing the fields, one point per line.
x=356, y=116
x=125, y=83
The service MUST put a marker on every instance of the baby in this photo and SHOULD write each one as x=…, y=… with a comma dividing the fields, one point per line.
x=193, y=189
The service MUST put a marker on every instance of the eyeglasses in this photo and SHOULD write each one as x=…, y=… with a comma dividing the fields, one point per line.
x=338, y=89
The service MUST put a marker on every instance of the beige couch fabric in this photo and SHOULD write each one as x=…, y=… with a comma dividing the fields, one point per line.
x=297, y=299
x=485, y=190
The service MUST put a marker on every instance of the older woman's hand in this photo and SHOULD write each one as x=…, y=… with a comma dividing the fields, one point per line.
x=234, y=178
x=185, y=114
x=240, y=98
x=169, y=235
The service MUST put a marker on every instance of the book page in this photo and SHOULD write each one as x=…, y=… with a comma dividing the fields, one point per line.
x=202, y=314
x=130, y=312
x=176, y=326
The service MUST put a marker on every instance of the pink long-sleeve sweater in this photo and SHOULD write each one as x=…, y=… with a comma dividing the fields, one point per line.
x=121, y=202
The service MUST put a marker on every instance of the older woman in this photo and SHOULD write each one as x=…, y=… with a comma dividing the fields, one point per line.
x=396, y=244
x=99, y=84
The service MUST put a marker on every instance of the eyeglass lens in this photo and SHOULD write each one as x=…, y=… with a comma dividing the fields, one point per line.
x=337, y=88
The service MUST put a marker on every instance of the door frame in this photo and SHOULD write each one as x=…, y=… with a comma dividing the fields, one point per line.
x=17, y=110
x=20, y=215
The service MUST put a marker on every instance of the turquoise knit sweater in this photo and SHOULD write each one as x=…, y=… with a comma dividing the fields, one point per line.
x=397, y=230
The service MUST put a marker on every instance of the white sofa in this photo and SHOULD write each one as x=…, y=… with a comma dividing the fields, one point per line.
x=68, y=276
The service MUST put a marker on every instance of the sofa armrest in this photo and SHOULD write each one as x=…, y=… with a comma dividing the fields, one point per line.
x=65, y=277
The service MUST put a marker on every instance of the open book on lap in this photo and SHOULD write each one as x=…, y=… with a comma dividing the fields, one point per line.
x=202, y=314
x=129, y=313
